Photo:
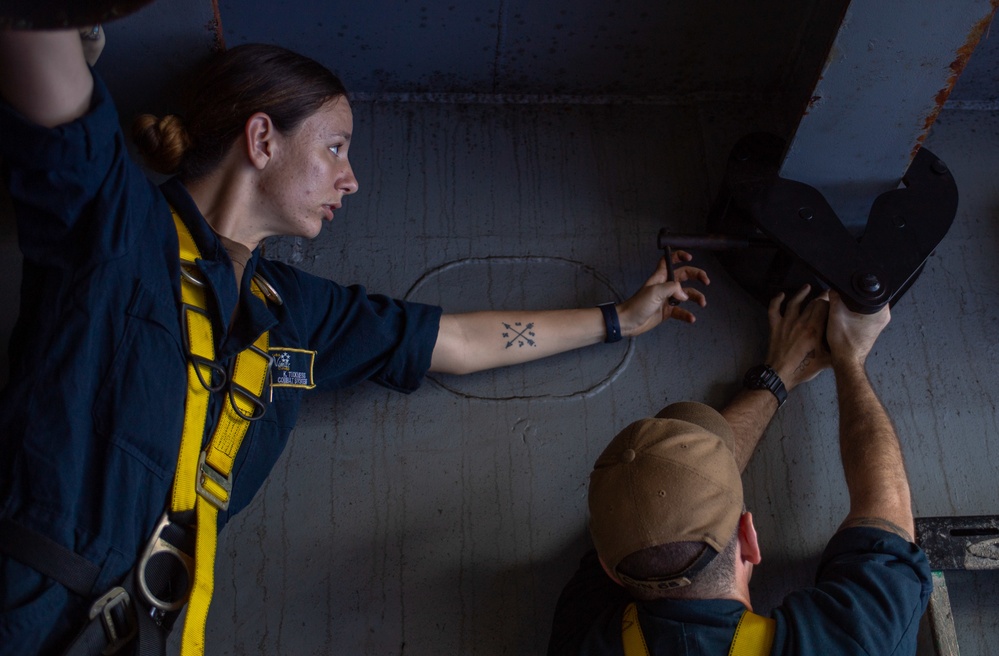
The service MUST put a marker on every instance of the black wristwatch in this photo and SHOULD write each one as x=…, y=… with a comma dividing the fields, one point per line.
x=763, y=376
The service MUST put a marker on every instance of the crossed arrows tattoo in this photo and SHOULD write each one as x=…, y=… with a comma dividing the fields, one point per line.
x=521, y=335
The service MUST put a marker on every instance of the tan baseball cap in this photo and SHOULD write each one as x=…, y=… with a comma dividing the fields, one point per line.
x=671, y=478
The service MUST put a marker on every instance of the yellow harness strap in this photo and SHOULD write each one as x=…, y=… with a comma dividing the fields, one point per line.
x=203, y=481
x=631, y=633
x=754, y=635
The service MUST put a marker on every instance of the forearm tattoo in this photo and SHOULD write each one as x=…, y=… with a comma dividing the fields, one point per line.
x=519, y=334
x=883, y=524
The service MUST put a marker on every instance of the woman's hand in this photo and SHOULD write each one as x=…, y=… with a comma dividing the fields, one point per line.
x=650, y=305
x=44, y=76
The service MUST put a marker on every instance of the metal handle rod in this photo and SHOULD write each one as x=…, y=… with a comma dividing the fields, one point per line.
x=670, y=276
x=710, y=242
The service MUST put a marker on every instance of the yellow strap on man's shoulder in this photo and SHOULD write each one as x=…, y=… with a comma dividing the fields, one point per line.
x=754, y=635
x=631, y=633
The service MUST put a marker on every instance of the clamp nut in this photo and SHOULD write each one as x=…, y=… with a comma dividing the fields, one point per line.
x=867, y=284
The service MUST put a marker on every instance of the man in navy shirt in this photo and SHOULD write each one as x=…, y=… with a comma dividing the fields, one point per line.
x=675, y=547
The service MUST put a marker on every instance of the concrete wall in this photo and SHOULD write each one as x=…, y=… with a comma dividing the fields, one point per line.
x=446, y=522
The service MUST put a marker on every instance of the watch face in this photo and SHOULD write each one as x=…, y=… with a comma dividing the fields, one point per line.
x=759, y=377
x=763, y=377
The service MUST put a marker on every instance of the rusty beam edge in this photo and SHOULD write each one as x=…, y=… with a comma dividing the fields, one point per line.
x=957, y=66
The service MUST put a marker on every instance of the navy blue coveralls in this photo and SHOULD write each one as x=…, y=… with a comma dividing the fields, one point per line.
x=90, y=421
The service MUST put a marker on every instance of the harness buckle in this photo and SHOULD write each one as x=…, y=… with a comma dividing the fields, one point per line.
x=208, y=473
x=170, y=544
x=115, y=603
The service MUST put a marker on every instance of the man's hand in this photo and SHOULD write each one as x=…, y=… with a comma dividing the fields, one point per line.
x=869, y=446
x=650, y=306
x=796, y=354
x=851, y=336
x=796, y=351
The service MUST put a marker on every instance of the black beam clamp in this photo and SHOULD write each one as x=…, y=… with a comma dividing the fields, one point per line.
x=774, y=235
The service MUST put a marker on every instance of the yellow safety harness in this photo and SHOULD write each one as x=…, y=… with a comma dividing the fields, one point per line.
x=754, y=634
x=202, y=486
x=203, y=481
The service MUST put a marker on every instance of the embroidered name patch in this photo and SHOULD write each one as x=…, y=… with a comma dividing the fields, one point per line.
x=292, y=367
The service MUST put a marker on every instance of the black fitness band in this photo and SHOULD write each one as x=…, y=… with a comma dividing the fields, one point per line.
x=611, y=322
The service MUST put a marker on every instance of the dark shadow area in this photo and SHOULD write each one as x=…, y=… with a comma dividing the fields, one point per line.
x=10, y=280
x=515, y=628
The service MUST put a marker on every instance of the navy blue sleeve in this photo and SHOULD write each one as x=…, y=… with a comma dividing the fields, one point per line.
x=358, y=336
x=871, y=590
x=78, y=198
x=82, y=429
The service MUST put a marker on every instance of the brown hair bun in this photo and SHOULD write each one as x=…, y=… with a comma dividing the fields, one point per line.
x=161, y=141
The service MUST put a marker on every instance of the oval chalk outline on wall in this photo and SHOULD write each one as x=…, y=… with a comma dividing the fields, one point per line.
x=582, y=388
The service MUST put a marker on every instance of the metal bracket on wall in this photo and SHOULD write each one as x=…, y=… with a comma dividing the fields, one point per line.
x=775, y=234
x=954, y=543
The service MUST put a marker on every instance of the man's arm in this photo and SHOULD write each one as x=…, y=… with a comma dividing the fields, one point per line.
x=44, y=75
x=484, y=340
x=869, y=447
x=795, y=353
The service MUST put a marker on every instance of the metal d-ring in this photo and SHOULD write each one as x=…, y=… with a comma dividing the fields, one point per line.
x=185, y=267
x=268, y=289
x=173, y=541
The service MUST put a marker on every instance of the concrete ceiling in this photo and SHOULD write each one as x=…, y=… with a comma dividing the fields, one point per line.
x=583, y=47
x=588, y=50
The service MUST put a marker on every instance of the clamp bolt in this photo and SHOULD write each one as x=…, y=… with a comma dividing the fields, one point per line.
x=898, y=221
x=939, y=167
x=806, y=213
x=867, y=283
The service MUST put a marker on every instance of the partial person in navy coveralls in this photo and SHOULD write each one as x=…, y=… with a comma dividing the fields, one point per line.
x=92, y=417
x=675, y=548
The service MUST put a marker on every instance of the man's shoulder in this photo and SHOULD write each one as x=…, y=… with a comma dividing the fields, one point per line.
x=871, y=542
x=871, y=588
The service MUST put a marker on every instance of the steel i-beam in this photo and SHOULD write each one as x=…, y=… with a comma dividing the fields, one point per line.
x=853, y=201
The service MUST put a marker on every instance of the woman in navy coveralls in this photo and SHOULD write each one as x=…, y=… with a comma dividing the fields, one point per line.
x=91, y=420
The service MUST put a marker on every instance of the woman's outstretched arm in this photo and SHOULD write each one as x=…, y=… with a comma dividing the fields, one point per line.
x=483, y=340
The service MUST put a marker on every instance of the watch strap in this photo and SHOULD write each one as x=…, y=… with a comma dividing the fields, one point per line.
x=764, y=377
x=611, y=322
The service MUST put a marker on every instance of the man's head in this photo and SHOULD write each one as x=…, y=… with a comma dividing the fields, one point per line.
x=665, y=499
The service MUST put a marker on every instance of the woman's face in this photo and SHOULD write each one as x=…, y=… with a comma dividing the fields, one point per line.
x=309, y=174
